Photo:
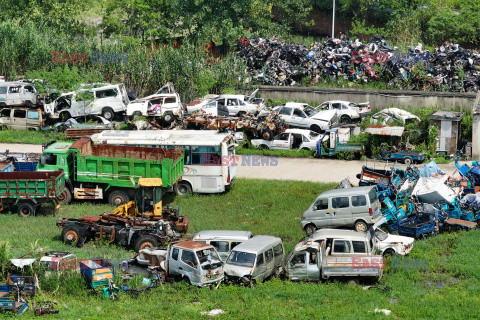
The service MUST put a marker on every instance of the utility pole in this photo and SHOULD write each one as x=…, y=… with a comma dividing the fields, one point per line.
x=333, y=21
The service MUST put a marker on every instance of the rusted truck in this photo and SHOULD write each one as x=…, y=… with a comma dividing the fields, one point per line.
x=98, y=171
x=26, y=191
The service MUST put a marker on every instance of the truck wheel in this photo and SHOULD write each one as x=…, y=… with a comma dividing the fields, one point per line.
x=145, y=241
x=345, y=120
x=65, y=197
x=183, y=188
x=310, y=229
x=408, y=161
x=73, y=235
x=118, y=197
x=267, y=134
x=26, y=210
x=316, y=128
x=360, y=226
x=168, y=117
x=108, y=113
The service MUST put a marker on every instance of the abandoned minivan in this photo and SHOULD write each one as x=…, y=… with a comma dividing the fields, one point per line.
x=347, y=207
x=21, y=118
x=255, y=260
x=223, y=240
x=17, y=94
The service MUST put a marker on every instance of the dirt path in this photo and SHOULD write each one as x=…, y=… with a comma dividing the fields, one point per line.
x=20, y=148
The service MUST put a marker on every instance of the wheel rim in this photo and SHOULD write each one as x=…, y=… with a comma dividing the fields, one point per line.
x=182, y=189
x=118, y=200
x=146, y=245
x=107, y=115
x=25, y=212
x=361, y=227
x=71, y=236
x=63, y=196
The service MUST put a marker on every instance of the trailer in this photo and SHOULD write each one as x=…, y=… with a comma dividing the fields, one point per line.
x=27, y=191
x=407, y=157
x=100, y=273
x=331, y=146
x=99, y=171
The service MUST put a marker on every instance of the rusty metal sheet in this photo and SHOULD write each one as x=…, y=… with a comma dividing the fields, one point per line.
x=385, y=130
x=30, y=175
x=194, y=245
x=73, y=133
x=463, y=223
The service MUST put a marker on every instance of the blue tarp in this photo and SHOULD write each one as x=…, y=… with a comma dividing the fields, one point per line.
x=428, y=169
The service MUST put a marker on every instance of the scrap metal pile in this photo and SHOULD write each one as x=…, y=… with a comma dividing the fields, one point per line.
x=423, y=202
x=266, y=126
x=271, y=61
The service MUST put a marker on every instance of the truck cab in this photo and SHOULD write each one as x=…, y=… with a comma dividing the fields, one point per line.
x=58, y=156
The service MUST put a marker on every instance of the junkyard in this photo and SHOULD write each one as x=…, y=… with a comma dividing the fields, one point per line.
x=272, y=168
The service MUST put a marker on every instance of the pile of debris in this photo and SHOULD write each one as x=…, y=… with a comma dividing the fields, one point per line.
x=423, y=202
x=272, y=61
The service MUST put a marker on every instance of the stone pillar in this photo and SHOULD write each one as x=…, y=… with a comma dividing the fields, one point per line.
x=476, y=129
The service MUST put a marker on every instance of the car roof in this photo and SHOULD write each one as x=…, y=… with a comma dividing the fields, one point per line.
x=338, y=233
x=193, y=245
x=346, y=191
x=300, y=131
x=222, y=234
x=257, y=243
x=294, y=104
x=239, y=96
x=336, y=101
x=14, y=83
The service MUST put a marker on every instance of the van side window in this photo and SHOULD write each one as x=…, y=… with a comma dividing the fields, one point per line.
x=341, y=246
x=285, y=110
x=268, y=255
x=298, y=259
x=34, y=115
x=189, y=258
x=5, y=113
x=260, y=259
x=106, y=93
x=175, y=254
x=312, y=258
x=278, y=250
x=234, y=244
x=321, y=204
x=19, y=114
x=170, y=100
x=340, y=202
x=3, y=90
x=14, y=89
x=359, y=247
x=29, y=89
x=221, y=246
x=359, y=201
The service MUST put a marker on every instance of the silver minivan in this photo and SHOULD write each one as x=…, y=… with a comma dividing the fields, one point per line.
x=17, y=94
x=255, y=260
x=347, y=207
x=223, y=240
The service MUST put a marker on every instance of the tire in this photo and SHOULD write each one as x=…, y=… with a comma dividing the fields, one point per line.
x=64, y=116
x=360, y=226
x=310, y=229
x=26, y=210
x=183, y=188
x=65, y=197
x=408, y=161
x=145, y=241
x=345, y=120
x=267, y=134
x=73, y=235
x=316, y=128
x=118, y=197
x=263, y=147
x=389, y=253
x=136, y=115
x=108, y=113
x=168, y=117
x=241, y=113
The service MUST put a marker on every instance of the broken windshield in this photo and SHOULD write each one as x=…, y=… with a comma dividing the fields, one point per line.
x=310, y=111
x=243, y=259
x=209, y=259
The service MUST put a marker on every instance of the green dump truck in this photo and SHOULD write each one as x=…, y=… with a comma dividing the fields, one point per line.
x=26, y=191
x=108, y=171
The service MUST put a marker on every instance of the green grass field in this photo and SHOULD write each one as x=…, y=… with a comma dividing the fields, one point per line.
x=447, y=289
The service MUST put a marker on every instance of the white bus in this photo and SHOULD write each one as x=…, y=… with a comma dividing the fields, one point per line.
x=208, y=155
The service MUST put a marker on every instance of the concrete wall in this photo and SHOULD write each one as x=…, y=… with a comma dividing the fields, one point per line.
x=377, y=98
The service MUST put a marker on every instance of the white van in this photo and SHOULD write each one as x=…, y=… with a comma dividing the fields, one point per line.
x=166, y=106
x=223, y=240
x=106, y=101
x=17, y=94
x=255, y=260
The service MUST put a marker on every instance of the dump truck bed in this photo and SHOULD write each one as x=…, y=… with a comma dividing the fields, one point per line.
x=122, y=166
x=31, y=184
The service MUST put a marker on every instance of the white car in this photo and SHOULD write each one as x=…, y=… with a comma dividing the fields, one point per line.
x=392, y=115
x=299, y=139
x=387, y=243
x=106, y=101
x=347, y=112
x=167, y=106
x=302, y=115
x=236, y=104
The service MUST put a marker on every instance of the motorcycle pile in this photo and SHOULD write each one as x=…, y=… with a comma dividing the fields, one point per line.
x=272, y=61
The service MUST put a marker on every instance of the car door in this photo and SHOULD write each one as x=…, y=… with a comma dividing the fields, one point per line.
x=19, y=119
x=188, y=264
x=359, y=208
x=34, y=119
x=13, y=95
x=3, y=95
x=232, y=105
x=321, y=216
x=6, y=117
x=297, y=266
x=341, y=211
x=313, y=261
x=298, y=118
x=173, y=262
x=286, y=114
x=281, y=142
x=260, y=268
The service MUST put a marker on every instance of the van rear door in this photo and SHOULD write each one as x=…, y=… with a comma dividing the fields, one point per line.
x=374, y=204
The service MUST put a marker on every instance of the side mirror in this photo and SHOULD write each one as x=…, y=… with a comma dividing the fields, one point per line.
x=43, y=160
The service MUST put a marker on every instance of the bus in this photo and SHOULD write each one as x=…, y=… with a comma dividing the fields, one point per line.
x=208, y=168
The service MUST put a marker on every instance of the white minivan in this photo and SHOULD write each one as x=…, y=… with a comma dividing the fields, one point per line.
x=17, y=94
x=223, y=240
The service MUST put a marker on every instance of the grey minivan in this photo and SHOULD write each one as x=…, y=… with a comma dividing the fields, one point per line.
x=347, y=207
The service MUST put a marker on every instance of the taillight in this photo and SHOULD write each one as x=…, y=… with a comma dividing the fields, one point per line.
x=370, y=211
x=228, y=178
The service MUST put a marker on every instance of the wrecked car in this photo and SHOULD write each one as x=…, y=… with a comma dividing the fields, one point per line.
x=352, y=207
x=303, y=116
x=347, y=112
x=298, y=139
x=21, y=119
x=223, y=240
x=255, y=260
x=392, y=115
x=334, y=257
x=59, y=261
x=166, y=106
x=17, y=94
x=107, y=101
x=236, y=104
